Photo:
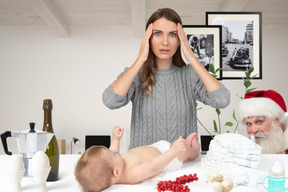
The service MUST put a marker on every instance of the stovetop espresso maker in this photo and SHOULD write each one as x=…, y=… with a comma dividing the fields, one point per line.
x=28, y=143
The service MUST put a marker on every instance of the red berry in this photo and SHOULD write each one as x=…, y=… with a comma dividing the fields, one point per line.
x=178, y=184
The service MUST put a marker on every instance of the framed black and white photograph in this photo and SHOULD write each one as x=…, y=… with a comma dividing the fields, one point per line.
x=205, y=42
x=241, y=42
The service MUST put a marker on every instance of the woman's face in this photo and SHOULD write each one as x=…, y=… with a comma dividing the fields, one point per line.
x=164, y=40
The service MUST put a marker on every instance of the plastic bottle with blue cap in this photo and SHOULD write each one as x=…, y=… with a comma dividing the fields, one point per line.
x=276, y=179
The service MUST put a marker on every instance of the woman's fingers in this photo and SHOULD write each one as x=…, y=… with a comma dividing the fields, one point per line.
x=144, y=49
x=186, y=49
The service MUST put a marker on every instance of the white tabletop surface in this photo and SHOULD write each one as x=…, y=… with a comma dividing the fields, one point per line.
x=67, y=181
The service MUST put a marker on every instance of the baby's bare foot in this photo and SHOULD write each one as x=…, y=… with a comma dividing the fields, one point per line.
x=190, y=138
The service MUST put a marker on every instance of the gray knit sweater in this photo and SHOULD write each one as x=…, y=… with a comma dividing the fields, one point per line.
x=171, y=111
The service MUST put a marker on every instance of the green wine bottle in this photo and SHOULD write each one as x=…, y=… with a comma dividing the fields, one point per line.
x=52, y=149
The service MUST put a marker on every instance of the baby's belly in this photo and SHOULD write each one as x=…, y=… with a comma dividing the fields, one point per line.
x=141, y=154
x=145, y=150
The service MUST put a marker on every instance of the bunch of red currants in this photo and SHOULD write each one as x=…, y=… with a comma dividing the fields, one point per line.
x=178, y=185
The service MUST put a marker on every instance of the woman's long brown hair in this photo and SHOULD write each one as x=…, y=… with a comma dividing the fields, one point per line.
x=148, y=69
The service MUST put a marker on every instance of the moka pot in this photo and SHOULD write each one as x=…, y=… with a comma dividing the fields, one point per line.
x=28, y=143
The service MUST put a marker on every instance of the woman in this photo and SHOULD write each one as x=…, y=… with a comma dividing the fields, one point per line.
x=162, y=88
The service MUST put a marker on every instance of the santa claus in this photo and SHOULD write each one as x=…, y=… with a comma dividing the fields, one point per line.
x=265, y=116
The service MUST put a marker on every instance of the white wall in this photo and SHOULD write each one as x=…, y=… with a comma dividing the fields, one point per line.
x=36, y=64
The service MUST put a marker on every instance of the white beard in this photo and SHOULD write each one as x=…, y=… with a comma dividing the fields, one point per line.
x=272, y=142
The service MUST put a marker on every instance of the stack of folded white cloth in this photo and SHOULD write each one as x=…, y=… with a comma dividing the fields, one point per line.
x=234, y=156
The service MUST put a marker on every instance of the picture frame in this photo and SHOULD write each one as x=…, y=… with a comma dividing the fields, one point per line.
x=205, y=41
x=241, y=42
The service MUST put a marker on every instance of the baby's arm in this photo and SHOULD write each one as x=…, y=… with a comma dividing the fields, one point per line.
x=117, y=133
x=150, y=169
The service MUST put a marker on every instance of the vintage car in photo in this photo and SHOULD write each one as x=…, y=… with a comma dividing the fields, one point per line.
x=240, y=58
x=225, y=51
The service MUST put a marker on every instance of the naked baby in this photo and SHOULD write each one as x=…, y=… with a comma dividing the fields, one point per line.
x=100, y=167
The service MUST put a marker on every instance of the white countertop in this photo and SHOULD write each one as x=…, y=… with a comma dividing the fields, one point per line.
x=67, y=181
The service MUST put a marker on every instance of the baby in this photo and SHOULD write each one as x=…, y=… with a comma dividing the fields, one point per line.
x=99, y=167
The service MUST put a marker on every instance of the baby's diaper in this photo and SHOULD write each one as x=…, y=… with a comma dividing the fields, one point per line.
x=164, y=146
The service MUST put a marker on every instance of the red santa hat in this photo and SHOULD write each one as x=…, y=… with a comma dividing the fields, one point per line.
x=268, y=103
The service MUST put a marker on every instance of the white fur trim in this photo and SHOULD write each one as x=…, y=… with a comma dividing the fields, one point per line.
x=260, y=107
x=286, y=137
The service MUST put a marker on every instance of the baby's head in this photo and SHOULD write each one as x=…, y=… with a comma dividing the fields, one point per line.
x=94, y=170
